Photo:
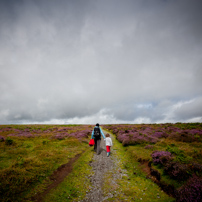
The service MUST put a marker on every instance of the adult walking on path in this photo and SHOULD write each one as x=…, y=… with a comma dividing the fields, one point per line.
x=96, y=135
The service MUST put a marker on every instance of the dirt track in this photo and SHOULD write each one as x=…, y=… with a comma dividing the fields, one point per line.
x=101, y=165
x=57, y=177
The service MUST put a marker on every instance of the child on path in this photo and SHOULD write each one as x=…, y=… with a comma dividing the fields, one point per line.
x=108, y=142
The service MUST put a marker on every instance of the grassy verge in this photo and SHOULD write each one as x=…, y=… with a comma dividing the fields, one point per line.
x=76, y=184
x=133, y=185
x=183, y=152
x=30, y=154
x=173, y=152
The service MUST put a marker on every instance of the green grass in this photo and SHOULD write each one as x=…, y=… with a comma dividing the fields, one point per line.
x=75, y=185
x=27, y=162
x=184, y=152
x=133, y=187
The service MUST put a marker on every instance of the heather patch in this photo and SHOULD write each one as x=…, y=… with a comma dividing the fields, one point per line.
x=149, y=147
x=178, y=171
x=160, y=156
x=191, y=191
x=173, y=152
x=175, y=169
x=152, y=133
x=2, y=139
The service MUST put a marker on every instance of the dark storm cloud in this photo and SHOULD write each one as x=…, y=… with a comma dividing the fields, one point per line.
x=107, y=61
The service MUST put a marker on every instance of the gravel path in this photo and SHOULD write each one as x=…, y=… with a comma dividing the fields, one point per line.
x=101, y=165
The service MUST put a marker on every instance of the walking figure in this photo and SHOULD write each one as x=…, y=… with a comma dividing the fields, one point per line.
x=96, y=135
x=108, y=144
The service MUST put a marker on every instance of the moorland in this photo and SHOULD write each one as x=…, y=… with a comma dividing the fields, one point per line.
x=166, y=155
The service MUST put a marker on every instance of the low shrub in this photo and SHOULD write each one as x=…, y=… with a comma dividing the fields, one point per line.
x=197, y=168
x=184, y=136
x=149, y=146
x=191, y=191
x=157, y=156
x=59, y=137
x=180, y=155
x=177, y=170
x=15, y=179
x=9, y=141
x=174, y=150
x=2, y=139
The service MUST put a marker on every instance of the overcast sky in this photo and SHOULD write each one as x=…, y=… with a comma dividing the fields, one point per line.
x=106, y=61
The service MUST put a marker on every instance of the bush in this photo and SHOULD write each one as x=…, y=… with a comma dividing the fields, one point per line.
x=9, y=141
x=165, y=159
x=157, y=156
x=191, y=191
x=177, y=171
x=2, y=139
x=197, y=168
x=174, y=150
x=59, y=137
x=149, y=146
x=183, y=136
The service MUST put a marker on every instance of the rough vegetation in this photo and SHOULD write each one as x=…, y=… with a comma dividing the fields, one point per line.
x=167, y=155
x=29, y=154
x=173, y=154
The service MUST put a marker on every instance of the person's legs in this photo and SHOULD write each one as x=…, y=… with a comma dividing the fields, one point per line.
x=108, y=150
x=95, y=145
x=98, y=146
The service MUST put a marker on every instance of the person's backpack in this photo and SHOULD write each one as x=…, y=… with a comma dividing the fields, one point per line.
x=97, y=132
